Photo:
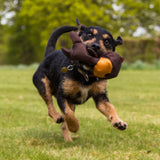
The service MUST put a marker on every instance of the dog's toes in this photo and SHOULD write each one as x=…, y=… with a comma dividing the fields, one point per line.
x=56, y=117
x=120, y=125
x=60, y=120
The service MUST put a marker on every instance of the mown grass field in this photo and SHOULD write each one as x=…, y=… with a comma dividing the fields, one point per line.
x=27, y=133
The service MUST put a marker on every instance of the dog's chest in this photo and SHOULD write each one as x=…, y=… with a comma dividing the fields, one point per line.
x=78, y=93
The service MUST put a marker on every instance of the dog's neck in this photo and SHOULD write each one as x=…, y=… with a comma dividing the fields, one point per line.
x=84, y=70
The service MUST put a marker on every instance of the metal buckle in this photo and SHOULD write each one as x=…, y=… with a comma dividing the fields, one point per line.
x=70, y=67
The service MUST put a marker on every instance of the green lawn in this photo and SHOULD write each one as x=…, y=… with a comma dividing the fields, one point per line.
x=27, y=133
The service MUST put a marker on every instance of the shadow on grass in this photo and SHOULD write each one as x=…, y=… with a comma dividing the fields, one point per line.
x=97, y=133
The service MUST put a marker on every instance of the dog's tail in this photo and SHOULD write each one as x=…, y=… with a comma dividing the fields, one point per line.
x=55, y=35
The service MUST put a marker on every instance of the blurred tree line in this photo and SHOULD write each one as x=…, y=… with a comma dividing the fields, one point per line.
x=27, y=24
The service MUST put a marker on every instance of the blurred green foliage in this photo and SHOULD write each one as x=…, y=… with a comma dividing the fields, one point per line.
x=24, y=37
x=144, y=49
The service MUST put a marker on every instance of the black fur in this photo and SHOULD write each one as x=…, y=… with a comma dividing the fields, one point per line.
x=54, y=61
x=55, y=35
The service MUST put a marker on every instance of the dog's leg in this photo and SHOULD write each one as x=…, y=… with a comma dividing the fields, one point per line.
x=109, y=111
x=68, y=114
x=64, y=127
x=66, y=132
x=43, y=85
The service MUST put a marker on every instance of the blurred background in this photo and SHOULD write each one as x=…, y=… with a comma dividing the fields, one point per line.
x=26, y=25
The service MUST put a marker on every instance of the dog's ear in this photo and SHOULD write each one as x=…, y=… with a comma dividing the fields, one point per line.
x=119, y=41
x=81, y=27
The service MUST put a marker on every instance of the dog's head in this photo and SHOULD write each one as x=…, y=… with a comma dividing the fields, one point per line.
x=98, y=38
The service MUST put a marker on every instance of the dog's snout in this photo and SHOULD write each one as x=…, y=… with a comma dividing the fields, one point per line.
x=95, y=46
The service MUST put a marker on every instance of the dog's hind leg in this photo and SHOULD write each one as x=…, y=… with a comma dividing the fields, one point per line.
x=109, y=111
x=43, y=85
x=68, y=114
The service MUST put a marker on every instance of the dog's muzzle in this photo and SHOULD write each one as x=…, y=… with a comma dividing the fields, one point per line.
x=95, y=46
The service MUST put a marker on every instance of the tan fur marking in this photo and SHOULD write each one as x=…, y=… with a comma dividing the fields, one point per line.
x=105, y=36
x=66, y=133
x=48, y=90
x=71, y=87
x=89, y=42
x=95, y=31
x=48, y=99
x=109, y=111
x=72, y=106
x=98, y=87
x=103, y=47
x=79, y=27
x=84, y=94
x=72, y=122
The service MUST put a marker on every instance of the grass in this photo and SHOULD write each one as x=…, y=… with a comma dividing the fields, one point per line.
x=27, y=133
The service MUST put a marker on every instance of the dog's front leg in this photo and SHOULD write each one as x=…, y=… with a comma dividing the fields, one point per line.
x=109, y=111
x=68, y=114
x=65, y=130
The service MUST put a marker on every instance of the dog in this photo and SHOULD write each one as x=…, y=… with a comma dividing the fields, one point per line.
x=72, y=82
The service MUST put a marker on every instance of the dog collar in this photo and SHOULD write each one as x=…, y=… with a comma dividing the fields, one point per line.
x=68, y=68
x=86, y=76
x=82, y=72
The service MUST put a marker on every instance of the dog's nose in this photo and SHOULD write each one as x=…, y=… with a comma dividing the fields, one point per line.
x=95, y=46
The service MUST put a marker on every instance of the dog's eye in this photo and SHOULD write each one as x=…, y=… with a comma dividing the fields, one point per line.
x=89, y=35
x=106, y=42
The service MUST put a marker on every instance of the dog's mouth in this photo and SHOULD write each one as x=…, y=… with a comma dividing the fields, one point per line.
x=92, y=52
x=87, y=67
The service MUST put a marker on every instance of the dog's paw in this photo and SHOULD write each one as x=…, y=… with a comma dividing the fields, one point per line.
x=56, y=117
x=73, y=124
x=120, y=125
x=60, y=119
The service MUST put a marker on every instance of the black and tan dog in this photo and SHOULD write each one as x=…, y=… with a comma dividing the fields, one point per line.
x=73, y=83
